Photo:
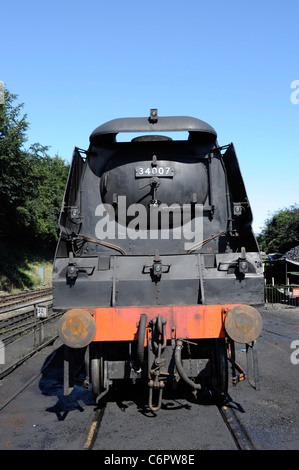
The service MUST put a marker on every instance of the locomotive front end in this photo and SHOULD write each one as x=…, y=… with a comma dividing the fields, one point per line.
x=157, y=265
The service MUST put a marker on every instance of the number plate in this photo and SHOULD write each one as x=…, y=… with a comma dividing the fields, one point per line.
x=143, y=171
x=42, y=312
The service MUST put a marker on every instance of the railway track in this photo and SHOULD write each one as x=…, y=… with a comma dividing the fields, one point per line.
x=237, y=430
x=15, y=320
x=95, y=428
x=14, y=300
x=25, y=329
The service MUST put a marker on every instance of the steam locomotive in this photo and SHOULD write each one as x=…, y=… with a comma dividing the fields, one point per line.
x=157, y=267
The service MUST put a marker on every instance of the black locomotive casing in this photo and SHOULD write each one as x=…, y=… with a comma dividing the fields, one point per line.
x=157, y=248
x=131, y=206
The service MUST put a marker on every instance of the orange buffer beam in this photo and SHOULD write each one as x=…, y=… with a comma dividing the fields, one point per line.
x=189, y=321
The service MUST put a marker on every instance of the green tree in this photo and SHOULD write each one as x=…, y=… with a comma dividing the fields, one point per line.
x=31, y=192
x=41, y=208
x=281, y=231
x=31, y=182
x=13, y=161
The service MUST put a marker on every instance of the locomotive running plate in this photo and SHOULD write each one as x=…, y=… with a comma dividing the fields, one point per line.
x=147, y=170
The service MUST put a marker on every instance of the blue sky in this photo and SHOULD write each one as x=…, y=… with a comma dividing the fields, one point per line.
x=77, y=64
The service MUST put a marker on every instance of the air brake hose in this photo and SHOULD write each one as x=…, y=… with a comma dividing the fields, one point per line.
x=179, y=366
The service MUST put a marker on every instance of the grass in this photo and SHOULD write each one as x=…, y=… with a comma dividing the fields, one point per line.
x=19, y=267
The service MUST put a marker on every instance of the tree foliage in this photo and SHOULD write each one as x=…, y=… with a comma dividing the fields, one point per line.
x=13, y=162
x=281, y=231
x=31, y=182
x=41, y=208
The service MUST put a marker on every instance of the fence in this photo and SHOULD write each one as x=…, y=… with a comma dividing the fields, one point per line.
x=287, y=295
x=17, y=346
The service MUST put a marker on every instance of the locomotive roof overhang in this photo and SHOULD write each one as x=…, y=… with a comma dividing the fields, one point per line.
x=197, y=129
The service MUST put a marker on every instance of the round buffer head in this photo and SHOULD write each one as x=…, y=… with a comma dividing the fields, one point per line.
x=76, y=328
x=243, y=323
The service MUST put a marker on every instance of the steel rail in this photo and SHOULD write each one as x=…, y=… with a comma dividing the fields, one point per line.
x=238, y=431
x=7, y=303
x=36, y=326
